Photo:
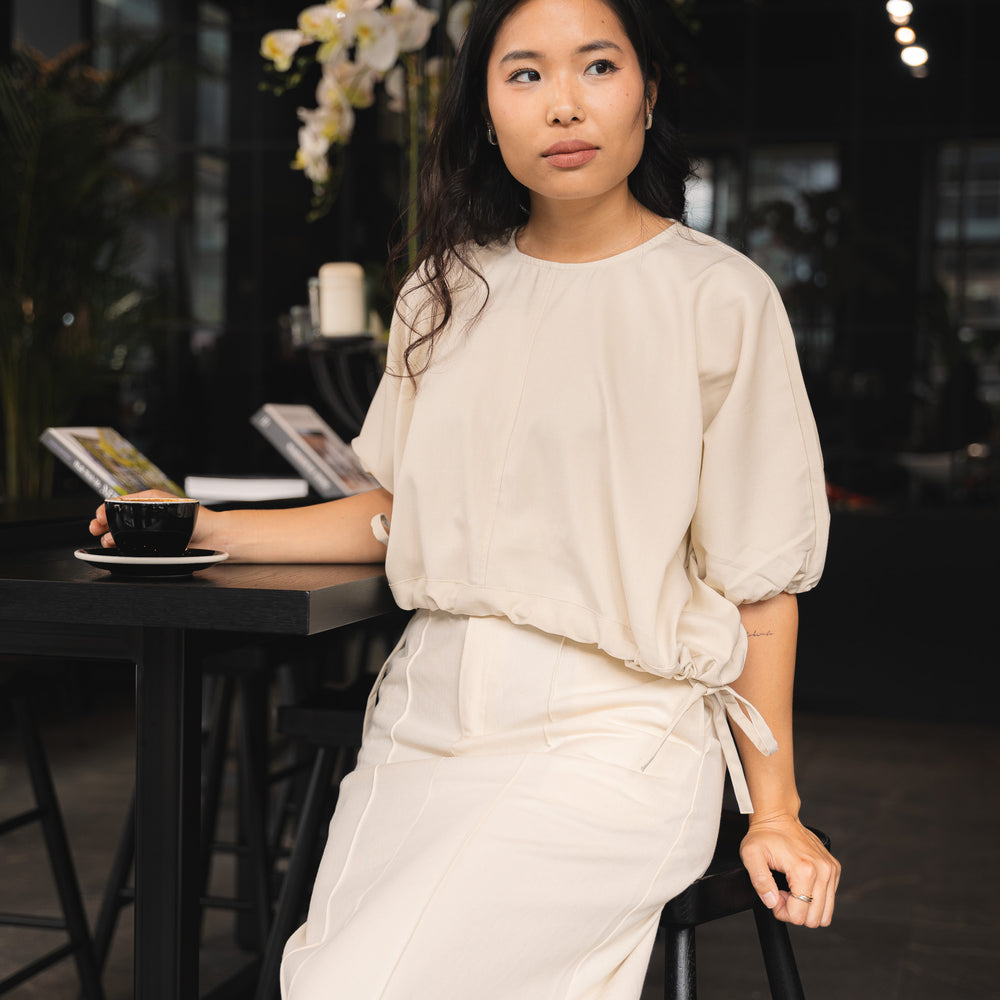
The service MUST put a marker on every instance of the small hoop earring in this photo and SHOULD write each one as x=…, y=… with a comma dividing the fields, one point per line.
x=649, y=119
x=491, y=136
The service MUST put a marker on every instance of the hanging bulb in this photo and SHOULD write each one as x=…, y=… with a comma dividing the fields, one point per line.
x=914, y=55
x=899, y=8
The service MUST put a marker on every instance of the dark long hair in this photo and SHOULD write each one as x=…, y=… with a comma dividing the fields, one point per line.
x=467, y=197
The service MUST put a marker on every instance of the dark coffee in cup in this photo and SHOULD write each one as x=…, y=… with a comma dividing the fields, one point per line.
x=152, y=526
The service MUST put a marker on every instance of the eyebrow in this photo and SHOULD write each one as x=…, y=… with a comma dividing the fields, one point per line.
x=598, y=45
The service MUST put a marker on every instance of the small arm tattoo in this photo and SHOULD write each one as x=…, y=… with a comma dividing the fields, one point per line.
x=759, y=635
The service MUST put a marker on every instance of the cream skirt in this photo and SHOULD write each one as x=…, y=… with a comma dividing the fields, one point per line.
x=514, y=825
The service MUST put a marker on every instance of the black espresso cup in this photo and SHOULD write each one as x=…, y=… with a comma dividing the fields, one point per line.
x=153, y=526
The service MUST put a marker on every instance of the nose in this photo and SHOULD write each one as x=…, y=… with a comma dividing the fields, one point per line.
x=564, y=106
x=565, y=114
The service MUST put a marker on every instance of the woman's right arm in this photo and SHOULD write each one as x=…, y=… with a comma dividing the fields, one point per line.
x=339, y=531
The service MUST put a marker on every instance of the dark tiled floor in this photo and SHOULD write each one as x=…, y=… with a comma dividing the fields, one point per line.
x=911, y=807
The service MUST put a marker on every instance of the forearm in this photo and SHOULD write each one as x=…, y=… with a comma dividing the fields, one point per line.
x=766, y=682
x=335, y=532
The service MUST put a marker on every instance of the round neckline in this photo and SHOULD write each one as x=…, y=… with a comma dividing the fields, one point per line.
x=638, y=250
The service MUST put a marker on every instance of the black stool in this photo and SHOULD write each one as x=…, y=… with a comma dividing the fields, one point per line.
x=48, y=815
x=723, y=890
x=336, y=734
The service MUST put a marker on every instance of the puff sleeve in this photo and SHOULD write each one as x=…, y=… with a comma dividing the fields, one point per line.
x=382, y=439
x=761, y=522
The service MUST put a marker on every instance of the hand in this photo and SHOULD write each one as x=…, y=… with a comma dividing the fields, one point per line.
x=99, y=525
x=781, y=843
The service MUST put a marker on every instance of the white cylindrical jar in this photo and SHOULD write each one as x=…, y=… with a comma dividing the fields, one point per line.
x=342, y=300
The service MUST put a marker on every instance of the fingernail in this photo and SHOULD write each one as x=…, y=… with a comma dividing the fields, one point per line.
x=770, y=900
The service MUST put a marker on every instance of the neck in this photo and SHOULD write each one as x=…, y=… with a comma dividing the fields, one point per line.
x=579, y=230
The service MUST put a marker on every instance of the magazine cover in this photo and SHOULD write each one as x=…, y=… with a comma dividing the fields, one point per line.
x=313, y=448
x=106, y=461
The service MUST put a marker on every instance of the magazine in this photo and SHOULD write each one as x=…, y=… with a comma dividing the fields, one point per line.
x=305, y=439
x=245, y=489
x=106, y=461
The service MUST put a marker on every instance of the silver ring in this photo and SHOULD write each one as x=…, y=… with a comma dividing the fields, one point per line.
x=805, y=899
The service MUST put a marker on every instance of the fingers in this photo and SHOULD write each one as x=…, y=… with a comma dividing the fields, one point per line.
x=99, y=523
x=812, y=873
x=101, y=530
x=831, y=893
x=804, y=904
x=812, y=891
x=764, y=885
x=99, y=527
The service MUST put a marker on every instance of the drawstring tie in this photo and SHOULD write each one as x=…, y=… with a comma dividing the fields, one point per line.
x=726, y=704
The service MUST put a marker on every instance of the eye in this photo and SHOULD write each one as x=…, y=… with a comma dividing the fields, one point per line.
x=601, y=67
x=524, y=76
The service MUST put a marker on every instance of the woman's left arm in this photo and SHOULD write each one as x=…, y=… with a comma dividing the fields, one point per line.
x=776, y=839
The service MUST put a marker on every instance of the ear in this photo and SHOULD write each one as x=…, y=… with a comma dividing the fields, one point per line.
x=653, y=86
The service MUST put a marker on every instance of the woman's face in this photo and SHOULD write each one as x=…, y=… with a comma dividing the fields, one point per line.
x=567, y=98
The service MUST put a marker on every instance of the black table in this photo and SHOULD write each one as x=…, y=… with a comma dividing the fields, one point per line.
x=52, y=604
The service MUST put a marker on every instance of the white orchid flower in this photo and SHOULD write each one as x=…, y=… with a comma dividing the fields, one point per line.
x=413, y=24
x=322, y=22
x=317, y=169
x=334, y=51
x=280, y=47
x=333, y=120
x=358, y=44
x=356, y=80
x=311, y=156
x=458, y=22
x=377, y=42
x=329, y=93
x=313, y=144
x=395, y=89
x=351, y=7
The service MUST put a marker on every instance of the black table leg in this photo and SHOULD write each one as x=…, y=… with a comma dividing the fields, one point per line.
x=168, y=751
x=253, y=868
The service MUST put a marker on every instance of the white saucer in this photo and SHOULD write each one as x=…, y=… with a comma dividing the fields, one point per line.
x=182, y=565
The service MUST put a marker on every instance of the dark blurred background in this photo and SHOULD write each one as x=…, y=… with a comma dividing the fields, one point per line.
x=868, y=189
x=870, y=194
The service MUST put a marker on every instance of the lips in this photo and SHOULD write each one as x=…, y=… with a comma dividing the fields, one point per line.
x=570, y=153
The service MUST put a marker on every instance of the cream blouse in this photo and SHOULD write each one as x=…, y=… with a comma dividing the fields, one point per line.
x=620, y=452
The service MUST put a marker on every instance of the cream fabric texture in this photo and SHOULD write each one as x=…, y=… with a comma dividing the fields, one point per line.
x=514, y=825
x=620, y=452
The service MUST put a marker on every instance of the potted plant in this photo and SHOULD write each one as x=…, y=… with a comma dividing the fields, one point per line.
x=68, y=301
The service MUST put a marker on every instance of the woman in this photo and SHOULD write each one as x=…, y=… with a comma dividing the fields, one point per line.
x=601, y=488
